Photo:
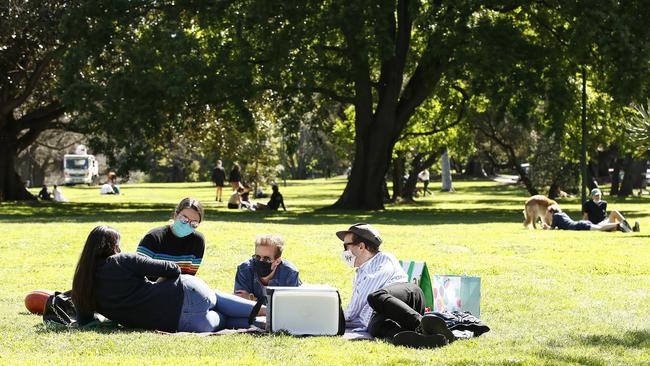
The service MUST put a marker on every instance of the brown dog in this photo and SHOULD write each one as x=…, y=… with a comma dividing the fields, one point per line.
x=537, y=207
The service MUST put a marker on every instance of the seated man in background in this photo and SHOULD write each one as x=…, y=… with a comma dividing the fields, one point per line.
x=595, y=210
x=562, y=221
x=265, y=268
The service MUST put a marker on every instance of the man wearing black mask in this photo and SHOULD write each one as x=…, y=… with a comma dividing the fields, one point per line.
x=265, y=268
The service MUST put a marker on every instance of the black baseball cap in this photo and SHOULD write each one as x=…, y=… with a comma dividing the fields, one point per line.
x=364, y=231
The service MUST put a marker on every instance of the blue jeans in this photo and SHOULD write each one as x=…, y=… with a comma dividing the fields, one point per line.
x=207, y=310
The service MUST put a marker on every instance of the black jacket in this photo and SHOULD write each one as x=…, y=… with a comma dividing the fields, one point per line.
x=123, y=294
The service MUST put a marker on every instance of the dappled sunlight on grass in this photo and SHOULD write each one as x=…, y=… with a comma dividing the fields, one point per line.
x=550, y=297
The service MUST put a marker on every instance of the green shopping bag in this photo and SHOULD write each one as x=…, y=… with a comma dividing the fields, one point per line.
x=418, y=273
x=457, y=293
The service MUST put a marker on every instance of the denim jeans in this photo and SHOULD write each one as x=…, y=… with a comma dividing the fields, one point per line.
x=207, y=310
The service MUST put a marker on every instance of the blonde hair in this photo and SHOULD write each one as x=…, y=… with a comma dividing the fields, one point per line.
x=269, y=240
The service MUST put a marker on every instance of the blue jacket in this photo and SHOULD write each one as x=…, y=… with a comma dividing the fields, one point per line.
x=246, y=279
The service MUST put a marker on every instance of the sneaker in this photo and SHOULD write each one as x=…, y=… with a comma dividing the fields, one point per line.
x=431, y=324
x=417, y=340
x=625, y=227
x=636, y=227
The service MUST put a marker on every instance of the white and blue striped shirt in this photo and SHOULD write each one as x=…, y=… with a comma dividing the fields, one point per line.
x=380, y=271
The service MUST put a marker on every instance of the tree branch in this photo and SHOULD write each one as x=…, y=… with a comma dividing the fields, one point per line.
x=32, y=81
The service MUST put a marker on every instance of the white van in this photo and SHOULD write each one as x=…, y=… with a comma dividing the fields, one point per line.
x=80, y=168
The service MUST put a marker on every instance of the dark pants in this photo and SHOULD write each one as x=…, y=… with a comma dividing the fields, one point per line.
x=398, y=307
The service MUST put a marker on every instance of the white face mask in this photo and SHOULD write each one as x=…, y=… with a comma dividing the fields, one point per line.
x=348, y=258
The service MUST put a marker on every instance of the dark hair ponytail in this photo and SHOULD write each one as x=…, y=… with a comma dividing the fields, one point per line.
x=102, y=242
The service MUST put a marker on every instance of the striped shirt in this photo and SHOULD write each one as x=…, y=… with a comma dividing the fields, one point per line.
x=380, y=271
x=161, y=243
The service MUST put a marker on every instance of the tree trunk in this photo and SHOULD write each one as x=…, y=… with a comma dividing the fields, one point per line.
x=523, y=177
x=398, y=176
x=553, y=190
x=632, y=172
x=446, y=172
x=474, y=168
x=12, y=187
x=373, y=150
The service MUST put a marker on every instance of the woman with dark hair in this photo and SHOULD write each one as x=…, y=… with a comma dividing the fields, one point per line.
x=178, y=241
x=235, y=177
x=115, y=285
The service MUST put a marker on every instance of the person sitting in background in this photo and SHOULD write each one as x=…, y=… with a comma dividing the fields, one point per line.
x=106, y=188
x=244, y=198
x=234, y=202
x=595, y=210
x=275, y=202
x=44, y=194
x=112, y=178
x=265, y=268
x=58, y=196
x=562, y=221
x=276, y=199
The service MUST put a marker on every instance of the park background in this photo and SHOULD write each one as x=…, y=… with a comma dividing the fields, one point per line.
x=342, y=103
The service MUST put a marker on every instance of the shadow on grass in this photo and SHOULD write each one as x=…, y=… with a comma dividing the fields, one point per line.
x=634, y=339
x=155, y=213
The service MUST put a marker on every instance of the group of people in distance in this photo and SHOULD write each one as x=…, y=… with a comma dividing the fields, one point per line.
x=56, y=195
x=157, y=287
x=594, y=217
x=240, y=196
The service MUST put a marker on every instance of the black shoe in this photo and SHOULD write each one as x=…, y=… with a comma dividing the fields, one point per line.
x=417, y=340
x=636, y=227
x=431, y=324
x=625, y=227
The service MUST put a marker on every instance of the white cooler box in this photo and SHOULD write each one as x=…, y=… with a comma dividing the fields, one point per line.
x=304, y=310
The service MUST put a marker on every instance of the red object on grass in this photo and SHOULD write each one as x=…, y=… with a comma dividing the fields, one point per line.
x=35, y=301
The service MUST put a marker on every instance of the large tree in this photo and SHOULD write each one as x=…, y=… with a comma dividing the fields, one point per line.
x=148, y=66
x=30, y=51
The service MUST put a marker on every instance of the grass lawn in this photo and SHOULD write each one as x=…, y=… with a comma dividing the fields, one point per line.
x=550, y=297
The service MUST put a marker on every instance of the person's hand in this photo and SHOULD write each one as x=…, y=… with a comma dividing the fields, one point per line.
x=245, y=294
x=545, y=226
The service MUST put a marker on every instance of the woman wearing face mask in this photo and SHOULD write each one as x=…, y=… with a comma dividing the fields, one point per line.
x=114, y=284
x=178, y=241
x=265, y=268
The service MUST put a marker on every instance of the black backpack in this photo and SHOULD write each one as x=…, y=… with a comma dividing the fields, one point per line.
x=59, y=309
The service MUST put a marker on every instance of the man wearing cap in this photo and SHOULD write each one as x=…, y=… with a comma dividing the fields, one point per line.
x=595, y=210
x=383, y=301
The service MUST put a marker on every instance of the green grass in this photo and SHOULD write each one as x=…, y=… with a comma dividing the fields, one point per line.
x=550, y=297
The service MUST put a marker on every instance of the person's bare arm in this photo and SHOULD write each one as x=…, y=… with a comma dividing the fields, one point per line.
x=585, y=216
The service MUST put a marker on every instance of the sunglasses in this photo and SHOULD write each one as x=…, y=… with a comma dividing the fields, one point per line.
x=193, y=223
x=345, y=245
x=263, y=259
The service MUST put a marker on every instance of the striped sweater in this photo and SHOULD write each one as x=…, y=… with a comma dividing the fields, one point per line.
x=161, y=243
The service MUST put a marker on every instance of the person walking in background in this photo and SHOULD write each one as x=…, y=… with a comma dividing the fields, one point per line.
x=424, y=177
x=235, y=177
x=58, y=196
x=219, y=179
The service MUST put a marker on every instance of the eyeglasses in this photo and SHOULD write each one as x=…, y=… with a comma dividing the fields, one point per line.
x=345, y=245
x=194, y=224
x=263, y=259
